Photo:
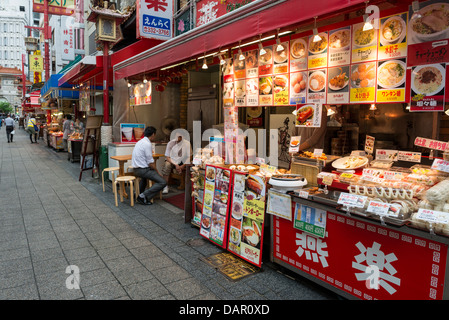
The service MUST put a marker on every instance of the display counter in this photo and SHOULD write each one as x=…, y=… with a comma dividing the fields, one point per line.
x=74, y=149
x=56, y=141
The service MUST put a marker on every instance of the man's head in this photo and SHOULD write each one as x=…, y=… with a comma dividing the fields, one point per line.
x=150, y=132
x=69, y=117
x=178, y=137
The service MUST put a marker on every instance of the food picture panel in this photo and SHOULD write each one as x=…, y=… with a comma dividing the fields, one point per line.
x=228, y=68
x=298, y=54
x=239, y=67
x=340, y=47
x=393, y=37
x=252, y=92
x=316, y=88
x=217, y=194
x=362, y=82
x=280, y=90
x=364, y=43
x=266, y=91
x=247, y=216
x=391, y=77
x=318, y=51
x=308, y=115
x=266, y=62
x=252, y=63
x=240, y=93
x=298, y=87
x=429, y=23
x=254, y=116
x=428, y=87
x=228, y=92
x=280, y=58
x=338, y=85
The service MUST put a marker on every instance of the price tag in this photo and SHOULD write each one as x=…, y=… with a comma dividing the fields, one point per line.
x=303, y=194
x=384, y=154
x=433, y=216
x=352, y=200
x=409, y=156
x=377, y=207
x=346, y=175
x=327, y=180
x=440, y=165
x=317, y=152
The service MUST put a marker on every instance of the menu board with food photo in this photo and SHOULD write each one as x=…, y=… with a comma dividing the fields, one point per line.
x=228, y=68
x=298, y=87
x=318, y=51
x=246, y=223
x=240, y=93
x=215, y=204
x=239, y=67
x=391, y=75
x=362, y=82
x=252, y=63
x=428, y=87
x=393, y=37
x=228, y=91
x=280, y=58
x=252, y=92
x=280, y=90
x=298, y=54
x=316, y=89
x=364, y=43
x=266, y=62
x=338, y=87
x=254, y=116
x=340, y=47
x=308, y=115
x=265, y=91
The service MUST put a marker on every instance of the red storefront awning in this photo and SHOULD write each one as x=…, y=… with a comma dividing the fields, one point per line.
x=33, y=100
x=253, y=19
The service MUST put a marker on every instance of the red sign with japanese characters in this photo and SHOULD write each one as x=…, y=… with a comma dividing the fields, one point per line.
x=210, y=10
x=365, y=260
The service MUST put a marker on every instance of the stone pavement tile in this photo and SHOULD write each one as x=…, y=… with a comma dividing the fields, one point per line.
x=94, y=277
x=44, y=244
x=26, y=291
x=186, y=289
x=16, y=253
x=135, y=242
x=97, y=235
x=147, y=290
x=134, y=275
x=88, y=264
x=16, y=279
x=104, y=291
x=157, y=262
x=80, y=253
x=145, y=252
x=46, y=254
x=119, y=251
x=15, y=265
x=105, y=243
x=13, y=244
x=122, y=263
x=58, y=264
x=53, y=286
x=170, y=274
x=76, y=242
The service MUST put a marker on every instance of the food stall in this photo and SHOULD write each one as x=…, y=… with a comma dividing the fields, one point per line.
x=74, y=144
x=369, y=220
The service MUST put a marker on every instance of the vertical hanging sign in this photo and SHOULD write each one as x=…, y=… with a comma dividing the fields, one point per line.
x=155, y=19
x=67, y=41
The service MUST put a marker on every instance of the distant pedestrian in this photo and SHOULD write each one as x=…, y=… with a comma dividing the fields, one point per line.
x=10, y=125
x=67, y=127
x=32, y=129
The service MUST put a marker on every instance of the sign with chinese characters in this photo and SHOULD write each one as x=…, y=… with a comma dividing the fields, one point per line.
x=440, y=165
x=155, y=19
x=318, y=51
x=67, y=38
x=311, y=220
x=338, y=79
x=139, y=93
x=428, y=87
x=56, y=7
x=36, y=63
x=391, y=75
x=363, y=82
x=351, y=200
x=217, y=195
x=393, y=37
x=340, y=47
x=409, y=156
x=246, y=222
x=364, y=260
x=385, y=154
x=364, y=43
x=209, y=10
x=431, y=144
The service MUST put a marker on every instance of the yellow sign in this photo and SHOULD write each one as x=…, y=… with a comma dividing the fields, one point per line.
x=391, y=95
x=37, y=77
x=36, y=63
x=362, y=94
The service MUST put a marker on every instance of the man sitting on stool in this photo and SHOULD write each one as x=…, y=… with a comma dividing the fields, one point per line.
x=177, y=155
x=145, y=168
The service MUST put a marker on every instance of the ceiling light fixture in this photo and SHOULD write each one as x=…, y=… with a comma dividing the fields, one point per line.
x=415, y=8
x=241, y=55
x=222, y=61
x=204, y=63
x=316, y=36
x=279, y=47
x=261, y=49
x=368, y=25
x=373, y=107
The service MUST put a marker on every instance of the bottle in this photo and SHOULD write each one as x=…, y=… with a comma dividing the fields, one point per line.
x=95, y=172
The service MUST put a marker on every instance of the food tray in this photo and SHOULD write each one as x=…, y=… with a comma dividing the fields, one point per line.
x=340, y=163
x=330, y=159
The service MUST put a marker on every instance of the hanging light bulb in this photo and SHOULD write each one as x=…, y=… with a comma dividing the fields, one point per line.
x=222, y=61
x=261, y=49
x=129, y=84
x=373, y=107
x=367, y=26
x=279, y=47
x=204, y=63
x=241, y=55
x=316, y=36
x=330, y=111
x=415, y=8
x=145, y=80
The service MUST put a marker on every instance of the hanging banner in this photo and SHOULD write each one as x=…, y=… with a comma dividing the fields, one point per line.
x=67, y=38
x=36, y=63
x=155, y=19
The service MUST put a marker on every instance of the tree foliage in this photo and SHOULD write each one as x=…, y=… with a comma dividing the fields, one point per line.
x=5, y=107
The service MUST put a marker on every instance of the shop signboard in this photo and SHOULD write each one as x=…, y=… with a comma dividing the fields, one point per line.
x=139, y=94
x=364, y=260
x=216, y=199
x=67, y=38
x=209, y=10
x=246, y=224
x=64, y=7
x=131, y=132
x=155, y=19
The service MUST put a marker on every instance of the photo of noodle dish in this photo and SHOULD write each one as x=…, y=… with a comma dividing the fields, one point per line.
x=252, y=59
x=266, y=58
x=298, y=49
x=391, y=74
x=364, y=38
x=392, y=30
x=430, y=23
x=319, y=46
x=317, y=81
x=340, y=39
x=428, y=79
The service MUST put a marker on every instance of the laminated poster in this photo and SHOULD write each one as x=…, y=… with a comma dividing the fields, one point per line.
x=317, y=86
x=340, y=47
x=338, y=87
x=280, y=90
x=252, y=63
x=246, y=223
x=252, y=92
x=240, y=93
x=228, y=91
x=239, y=67
x=311, y=220
x=298, y=54
x=308, y=115
x=281, y=58
x=266, y=62
x=363, y=82
x=217, y=191
x=318, y=51
x=364, y=43
x=391, y=80
x=428, y=87
x=393, y=37
x=265, y=91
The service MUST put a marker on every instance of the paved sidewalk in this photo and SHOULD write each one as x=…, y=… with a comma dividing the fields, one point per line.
x=49, y=221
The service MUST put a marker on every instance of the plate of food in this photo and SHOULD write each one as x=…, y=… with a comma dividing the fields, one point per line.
x=351, y=162
x=210, y=174
x=282, y=55
x=319, y=46
x=340, y=40
x=252, y=86
x=237, y=210
x=205, y=222
x=431, y=22
x=252, y=234
x=254, y=112
x=364, y=38
x=298, y=49
x=337, y=79
x=391, y=74
x=428, y=79
x=363, y=75
x=234, y=235
x=252, y=59
x=392, y=30
x=317, y=81
x=304, y=113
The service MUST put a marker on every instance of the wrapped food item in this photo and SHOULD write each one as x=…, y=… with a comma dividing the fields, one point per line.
x=381, y=164
x=438, y=195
